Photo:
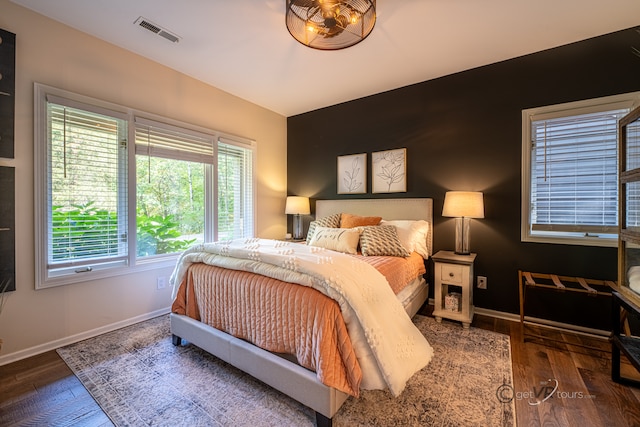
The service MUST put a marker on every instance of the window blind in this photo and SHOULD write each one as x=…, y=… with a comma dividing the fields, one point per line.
x=235, y=190
x=574, y=173
x=87, y=207
x=84, y=221
x=156, y=139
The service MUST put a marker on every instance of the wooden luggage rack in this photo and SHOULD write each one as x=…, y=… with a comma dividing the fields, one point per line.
x=552, y=282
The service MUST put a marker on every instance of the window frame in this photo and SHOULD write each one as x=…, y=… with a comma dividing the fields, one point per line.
x=209, y=185
x=614, y=102
x=43, y=279
x=222, y=140
x=122, y=182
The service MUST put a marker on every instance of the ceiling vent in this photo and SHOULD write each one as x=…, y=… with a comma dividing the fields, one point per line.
x=156, y=29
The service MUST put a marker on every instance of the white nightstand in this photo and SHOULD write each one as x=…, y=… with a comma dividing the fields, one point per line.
x=453, y=290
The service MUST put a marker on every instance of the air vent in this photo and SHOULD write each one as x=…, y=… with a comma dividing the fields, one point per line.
x=156, y=29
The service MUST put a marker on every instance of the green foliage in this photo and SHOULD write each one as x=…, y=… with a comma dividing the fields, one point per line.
x=83, y=231
x=168, y=188
x=159, y=235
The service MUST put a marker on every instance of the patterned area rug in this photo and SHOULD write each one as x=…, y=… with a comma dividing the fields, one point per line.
x=139, y=378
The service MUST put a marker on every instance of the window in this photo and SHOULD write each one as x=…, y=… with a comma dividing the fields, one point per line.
x=235, y=209
x=173, y=177
x=570, y=171
x=174, y=180
x=85, y=203
x=106, y=207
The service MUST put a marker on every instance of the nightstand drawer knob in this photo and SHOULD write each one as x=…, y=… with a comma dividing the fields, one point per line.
x=452, y=273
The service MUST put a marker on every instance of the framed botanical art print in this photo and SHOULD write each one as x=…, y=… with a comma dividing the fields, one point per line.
x=352, y=174
x=389, y=171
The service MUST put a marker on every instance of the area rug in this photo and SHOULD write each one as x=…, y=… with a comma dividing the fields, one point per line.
x=139, y=378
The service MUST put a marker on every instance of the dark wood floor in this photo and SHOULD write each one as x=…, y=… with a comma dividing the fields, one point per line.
x=43, y=391
x=585, y=395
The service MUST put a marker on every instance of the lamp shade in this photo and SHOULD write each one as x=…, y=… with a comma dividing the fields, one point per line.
x=467, y=204
x=297, y=205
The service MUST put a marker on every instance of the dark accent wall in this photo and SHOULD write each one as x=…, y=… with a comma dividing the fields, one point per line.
x=7, y=229
x=7, y=92
x=463, y=132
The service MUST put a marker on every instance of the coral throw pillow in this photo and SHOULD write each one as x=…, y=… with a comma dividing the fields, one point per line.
x=351, y=221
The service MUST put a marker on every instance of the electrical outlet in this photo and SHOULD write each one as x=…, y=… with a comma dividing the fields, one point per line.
x=161, y=282
x=482, y=282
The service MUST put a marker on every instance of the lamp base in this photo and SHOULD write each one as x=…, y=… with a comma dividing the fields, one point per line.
x=297, y=227
x=462, y=236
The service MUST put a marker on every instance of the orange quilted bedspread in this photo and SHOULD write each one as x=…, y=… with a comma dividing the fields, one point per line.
x=282, y=317
x=398, y=271
x=277, y=316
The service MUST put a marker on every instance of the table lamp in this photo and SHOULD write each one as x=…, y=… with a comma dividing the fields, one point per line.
x=296, y=206
x=463, y=205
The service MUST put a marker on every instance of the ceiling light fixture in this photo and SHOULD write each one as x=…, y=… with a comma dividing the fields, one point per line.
x=330, y=24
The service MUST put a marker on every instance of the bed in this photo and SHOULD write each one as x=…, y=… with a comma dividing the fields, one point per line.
x=282, y=372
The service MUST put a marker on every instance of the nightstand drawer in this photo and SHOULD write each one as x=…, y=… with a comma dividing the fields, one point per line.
x=453, y=278
x=451, y=273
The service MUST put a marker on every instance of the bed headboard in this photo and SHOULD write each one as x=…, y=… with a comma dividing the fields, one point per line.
x=389, y=209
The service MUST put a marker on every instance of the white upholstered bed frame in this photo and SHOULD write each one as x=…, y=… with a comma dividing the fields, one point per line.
x=288, y=377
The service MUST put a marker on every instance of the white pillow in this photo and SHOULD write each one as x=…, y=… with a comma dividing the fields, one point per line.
x=412, y=234
x=331, y=221
x=337, y=239
x=633, y=277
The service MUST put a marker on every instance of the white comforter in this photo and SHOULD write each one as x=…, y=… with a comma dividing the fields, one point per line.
x=390, y=349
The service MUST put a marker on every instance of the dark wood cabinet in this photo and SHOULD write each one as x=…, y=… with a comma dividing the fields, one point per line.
x=626, y=300
x=623, y=341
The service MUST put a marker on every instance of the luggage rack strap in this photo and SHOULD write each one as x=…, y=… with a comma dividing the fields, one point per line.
x=554, y=282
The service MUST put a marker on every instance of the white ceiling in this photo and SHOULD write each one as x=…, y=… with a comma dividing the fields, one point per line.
x=244, y=48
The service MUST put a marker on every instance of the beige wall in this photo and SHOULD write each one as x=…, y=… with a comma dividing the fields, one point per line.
x=53, y=54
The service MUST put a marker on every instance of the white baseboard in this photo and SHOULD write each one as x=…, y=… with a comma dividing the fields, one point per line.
x=550, y=324
x=497, y=314
x=546, y=323
x=52, y=345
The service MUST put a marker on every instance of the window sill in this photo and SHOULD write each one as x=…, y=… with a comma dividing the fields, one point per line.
x=142, y=265
x=608, y=242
